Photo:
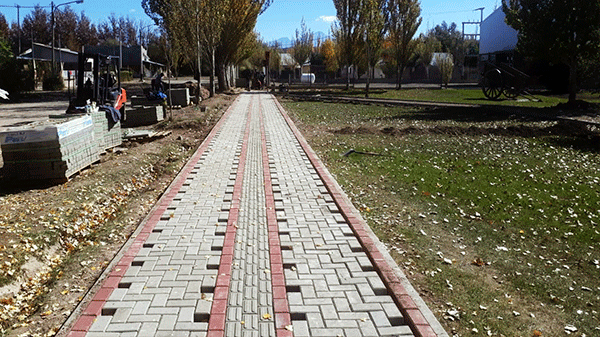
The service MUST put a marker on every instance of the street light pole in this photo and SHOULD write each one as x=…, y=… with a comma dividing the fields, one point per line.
x=52, y=22
x=142, y=48
x=53, y=7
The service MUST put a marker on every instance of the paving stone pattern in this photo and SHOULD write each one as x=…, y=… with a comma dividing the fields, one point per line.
x=333, y=289
x=301, y=273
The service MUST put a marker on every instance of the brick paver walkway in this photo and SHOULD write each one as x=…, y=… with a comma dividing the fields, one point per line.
x=254, y=238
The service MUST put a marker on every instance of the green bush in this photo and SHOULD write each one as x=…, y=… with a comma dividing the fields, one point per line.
x=590, y=74
x=15, y=79
x=126, y=75
x=53, y=82
x=446, y=65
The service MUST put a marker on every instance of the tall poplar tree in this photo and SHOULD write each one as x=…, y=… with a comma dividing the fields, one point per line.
x=374, y=28
x=303, y=45
x=403, y=19
x=348, y=33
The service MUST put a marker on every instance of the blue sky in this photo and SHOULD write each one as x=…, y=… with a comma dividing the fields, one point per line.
x=282, y=18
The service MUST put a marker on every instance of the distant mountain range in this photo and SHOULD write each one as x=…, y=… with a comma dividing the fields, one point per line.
x=285, y=42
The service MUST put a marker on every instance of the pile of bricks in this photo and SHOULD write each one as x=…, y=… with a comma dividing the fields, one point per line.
x=52, y=150
x=108, y=133
x=143, y=112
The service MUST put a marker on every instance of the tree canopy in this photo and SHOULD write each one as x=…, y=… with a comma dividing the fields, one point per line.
x=403, y=19
x=564, y=31
x=348, y=33
x=303, y=44
x=224, y=26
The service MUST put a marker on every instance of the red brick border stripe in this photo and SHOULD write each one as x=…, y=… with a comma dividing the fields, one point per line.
x=281, y=307
x=218, y=310
x=111, y=282
x=417, y=322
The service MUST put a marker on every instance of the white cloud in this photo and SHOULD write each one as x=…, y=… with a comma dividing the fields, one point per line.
x=327, y=18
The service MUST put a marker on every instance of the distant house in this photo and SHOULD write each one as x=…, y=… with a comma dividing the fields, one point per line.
x=41, y=52
x=134, y=57
x=66, y=60
x=289, y=66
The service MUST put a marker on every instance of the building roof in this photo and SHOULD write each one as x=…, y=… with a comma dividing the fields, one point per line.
x=287, y=60
x=43, y=52
x=132, y=56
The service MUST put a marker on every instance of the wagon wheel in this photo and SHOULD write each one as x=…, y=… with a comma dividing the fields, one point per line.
x=512, y=92
x=492, y=85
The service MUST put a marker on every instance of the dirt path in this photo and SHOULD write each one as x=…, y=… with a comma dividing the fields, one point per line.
x=56, y=240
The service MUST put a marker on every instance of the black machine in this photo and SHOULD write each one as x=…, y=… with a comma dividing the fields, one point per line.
x=104, y=87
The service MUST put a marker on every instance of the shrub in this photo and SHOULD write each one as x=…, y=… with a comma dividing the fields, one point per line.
x=15, y=79
x=126, y=75
x=446, y=65
x=53, y=82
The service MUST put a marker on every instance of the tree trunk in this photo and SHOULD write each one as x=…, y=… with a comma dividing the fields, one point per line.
x=399, y=77
x=221, y=77
x=368, y=82
x=347, y=78
x=212, y=73
x=572, y=80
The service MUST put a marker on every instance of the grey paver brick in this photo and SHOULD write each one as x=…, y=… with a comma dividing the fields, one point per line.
x=103, y=334
x=167, y=322
x=332, y=286
x=123, y=327
x=100, y=324
x=398, y=331
x=121, y=315
x=148, y=329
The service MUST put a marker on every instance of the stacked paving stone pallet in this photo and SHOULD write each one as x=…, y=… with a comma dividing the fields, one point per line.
x=143, y=112
x=107, y=133
x=52, y=150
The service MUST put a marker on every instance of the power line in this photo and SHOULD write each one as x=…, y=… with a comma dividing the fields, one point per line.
x=451, y=12
x=18, y=6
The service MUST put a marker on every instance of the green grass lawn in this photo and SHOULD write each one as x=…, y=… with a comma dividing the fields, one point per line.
x=465, y=96
x=493, y=218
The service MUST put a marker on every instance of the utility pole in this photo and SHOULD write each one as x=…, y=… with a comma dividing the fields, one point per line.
x=18, y=7
x=476, y=35
x=52, y=23
x=53, y=7
x=198, y=51
x=19, y=26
